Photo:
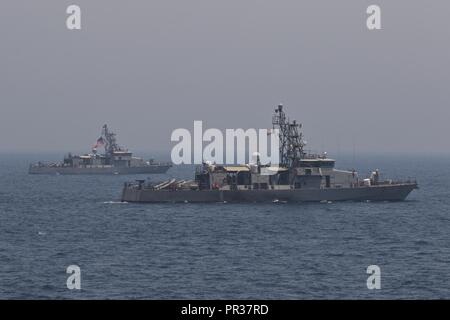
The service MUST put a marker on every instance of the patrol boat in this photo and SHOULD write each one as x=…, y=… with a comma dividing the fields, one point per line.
x=301, y=177
x=115, y=160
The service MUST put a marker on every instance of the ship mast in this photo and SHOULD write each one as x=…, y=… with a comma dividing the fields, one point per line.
x=110, y=141
x=291, y=138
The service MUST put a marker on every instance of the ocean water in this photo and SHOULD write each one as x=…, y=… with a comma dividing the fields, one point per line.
x=221, y=251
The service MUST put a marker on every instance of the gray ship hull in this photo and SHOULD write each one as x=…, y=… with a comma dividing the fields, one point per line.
x=151, y=169
x=395, y=192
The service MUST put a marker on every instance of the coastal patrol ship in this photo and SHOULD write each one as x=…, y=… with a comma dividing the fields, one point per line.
x=114, y=160
x=301, y=177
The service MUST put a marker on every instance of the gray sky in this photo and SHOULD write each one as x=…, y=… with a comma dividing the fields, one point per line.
x=149, y=67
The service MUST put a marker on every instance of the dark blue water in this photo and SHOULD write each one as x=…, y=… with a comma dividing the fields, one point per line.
x=275, y=251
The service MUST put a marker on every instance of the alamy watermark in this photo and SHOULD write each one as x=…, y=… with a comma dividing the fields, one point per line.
x=73, y=21
x=74, y=280
x=374, y=20
x=374, y=280
x=235, y=146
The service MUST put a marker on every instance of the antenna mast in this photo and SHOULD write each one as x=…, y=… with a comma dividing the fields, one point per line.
x=110, y=141
x=291, y=138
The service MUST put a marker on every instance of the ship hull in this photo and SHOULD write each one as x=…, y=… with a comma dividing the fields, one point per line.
x=151, y=169
x=395, y=192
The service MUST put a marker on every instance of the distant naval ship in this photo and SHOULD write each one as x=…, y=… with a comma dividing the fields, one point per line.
x=301, y=177
x=115, y=160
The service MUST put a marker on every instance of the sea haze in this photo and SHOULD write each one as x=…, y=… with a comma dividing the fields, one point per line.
x=224, y=251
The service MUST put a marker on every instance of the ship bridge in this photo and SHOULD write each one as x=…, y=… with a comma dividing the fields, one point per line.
x=317, y=163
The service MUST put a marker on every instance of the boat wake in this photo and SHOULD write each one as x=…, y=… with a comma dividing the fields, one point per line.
x=115, y=202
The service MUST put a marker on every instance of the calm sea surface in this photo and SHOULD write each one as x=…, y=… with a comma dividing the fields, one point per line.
x=274, y=251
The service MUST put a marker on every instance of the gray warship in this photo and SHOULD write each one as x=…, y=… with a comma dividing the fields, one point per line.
x=301, y=177
x=115, y=160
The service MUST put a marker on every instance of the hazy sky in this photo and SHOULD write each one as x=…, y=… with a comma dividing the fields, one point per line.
x=148, y=67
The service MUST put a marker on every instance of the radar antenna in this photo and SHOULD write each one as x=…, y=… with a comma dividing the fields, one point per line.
x=291, y=138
